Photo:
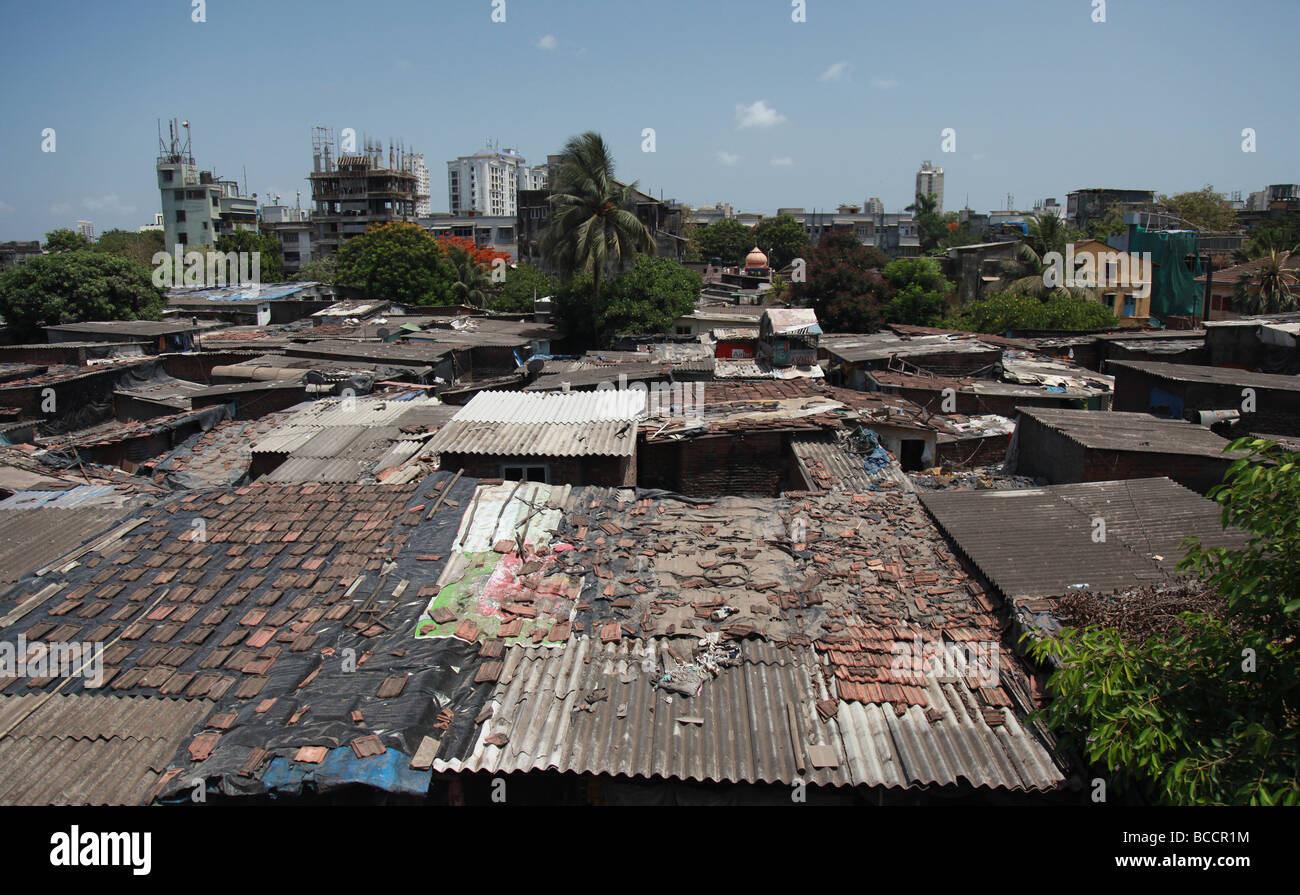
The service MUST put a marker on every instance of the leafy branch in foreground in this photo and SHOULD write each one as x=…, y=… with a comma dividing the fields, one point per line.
x=1201, y=710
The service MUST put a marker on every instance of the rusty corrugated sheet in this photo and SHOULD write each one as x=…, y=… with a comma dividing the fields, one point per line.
x=588, y=707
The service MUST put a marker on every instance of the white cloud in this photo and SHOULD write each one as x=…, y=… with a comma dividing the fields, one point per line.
x=60, y=208
x=760, y=114
x=835, y=72
x=782, y=162
x=727, y=158
x=884, y=83
x=547, y=42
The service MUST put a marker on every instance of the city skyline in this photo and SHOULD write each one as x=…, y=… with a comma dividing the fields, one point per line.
x=860, y=101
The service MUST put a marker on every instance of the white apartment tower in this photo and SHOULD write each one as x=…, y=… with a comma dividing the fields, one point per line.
x=86, y=229
x=415, y=161
x=929, y=182
x=485, y=183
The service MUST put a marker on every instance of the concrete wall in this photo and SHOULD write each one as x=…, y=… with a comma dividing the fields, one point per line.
x=1044, y=452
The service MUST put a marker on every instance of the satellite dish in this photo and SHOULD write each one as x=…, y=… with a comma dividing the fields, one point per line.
x=314, y=377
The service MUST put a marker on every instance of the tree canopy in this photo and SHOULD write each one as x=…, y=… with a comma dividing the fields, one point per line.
x=522, y=284
x=65, y=240
x=728, y=240
x=76, y=286
x=1204, y=710
x=1001, y=312
x=781, y=238
x=138, y=246
x=920, y=291
x=646, y=298
x=398, y=262
x=844, y=285
x=1203, y=208
x=271, y=262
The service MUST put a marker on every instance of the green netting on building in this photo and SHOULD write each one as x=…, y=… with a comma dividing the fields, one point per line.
x=1173, y=289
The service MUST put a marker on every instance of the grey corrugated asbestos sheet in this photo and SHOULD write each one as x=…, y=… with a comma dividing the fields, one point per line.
x=1038, y=542
x=1115, y=431
x=33, y=538
x=756, y=722
x=612, y=438
x=318, y=469
x=86, y=749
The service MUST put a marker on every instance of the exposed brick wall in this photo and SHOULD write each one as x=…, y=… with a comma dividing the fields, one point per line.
x=1195, y=472
x=989, y=451
x=753, y=464
x=616, y=472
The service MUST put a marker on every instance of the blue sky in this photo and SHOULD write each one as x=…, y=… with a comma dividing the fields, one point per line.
x=1043, y=100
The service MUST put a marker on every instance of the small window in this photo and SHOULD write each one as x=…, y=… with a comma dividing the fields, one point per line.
x=525, y=473
x=167, y=176
x=1130, y=306
x=180, y=215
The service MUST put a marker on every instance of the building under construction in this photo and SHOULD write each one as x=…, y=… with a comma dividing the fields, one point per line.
x=352, y=190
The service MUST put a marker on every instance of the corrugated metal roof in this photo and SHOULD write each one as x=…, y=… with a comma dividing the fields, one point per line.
x=83, y=749
x=589, y=707
x=827, y=463
x=318, y=469
x=284, y=440
x=1115, y=431
x=1038, y=542
x=615, y=438
x=1209, y=375
x=562, y=407
x=81, y=495
x=30, y=539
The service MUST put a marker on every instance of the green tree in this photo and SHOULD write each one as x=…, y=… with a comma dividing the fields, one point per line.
x=138, y=246
x=65, y=240
x=76, y=286
x=321, y=270
x=1203, y=712
x=523, y=283
x=930, y=225
x=398, y=262
x=1107, y=224
x=921, y=291
x=782, y=239
x=1001, y=312
x=591, y=229
x=647, y=298
x=1203, y=208
x=271, y=262
x=728, y=240
x=844, y=285
x=471, y=284
x=1280, y=234
x=1272, y=288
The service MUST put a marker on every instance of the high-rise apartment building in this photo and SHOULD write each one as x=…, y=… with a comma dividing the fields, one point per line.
x=929, y=182
x=86, y=229
x=487, y=182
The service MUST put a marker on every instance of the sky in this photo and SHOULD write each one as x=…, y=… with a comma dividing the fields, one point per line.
x=747, y=106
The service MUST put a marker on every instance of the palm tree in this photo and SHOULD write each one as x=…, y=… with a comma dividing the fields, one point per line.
x=591, y=229
x=1047, y=233
x=1275, y=287
x=472, y=283
x=1022, y=274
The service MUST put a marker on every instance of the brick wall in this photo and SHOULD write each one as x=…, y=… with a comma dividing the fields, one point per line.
x=989, y=451
x=1197, y=473
x=753, y=464
x=615, y=472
